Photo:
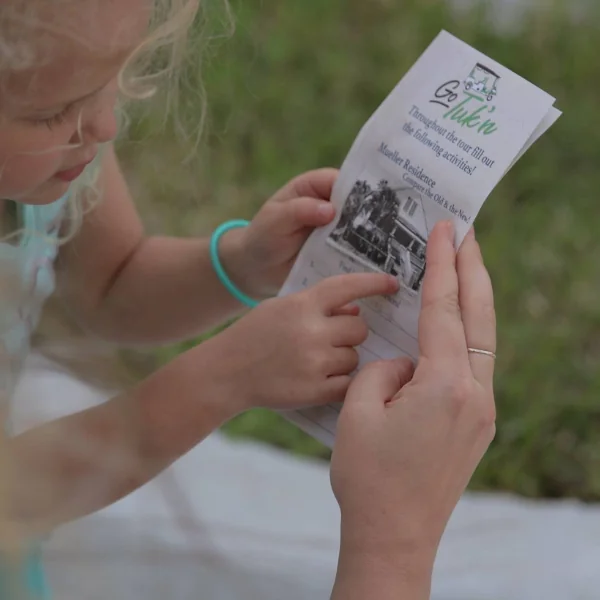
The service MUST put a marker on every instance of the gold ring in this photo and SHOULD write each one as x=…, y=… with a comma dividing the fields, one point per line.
x=483, y=352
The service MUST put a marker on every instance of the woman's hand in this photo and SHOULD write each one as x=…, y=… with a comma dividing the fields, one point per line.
x=298, y=350
x=268, y=248
x=410, y=439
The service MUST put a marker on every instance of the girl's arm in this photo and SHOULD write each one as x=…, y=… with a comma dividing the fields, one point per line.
x=287, y=353
x=79, y=464
x=130, y=288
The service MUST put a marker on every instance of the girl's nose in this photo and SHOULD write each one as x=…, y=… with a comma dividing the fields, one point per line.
x=98, y=122
x=101, y=124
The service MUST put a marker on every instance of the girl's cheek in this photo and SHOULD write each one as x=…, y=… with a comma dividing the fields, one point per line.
x=20, y=174
x=29, y=156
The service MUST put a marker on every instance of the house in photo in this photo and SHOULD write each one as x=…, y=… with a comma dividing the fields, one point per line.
x=385, y=228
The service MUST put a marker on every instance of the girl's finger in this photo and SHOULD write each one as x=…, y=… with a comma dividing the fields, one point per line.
x=441, y=333
x=296, y=216
x=315, y=184
x=334, y=389
x=348, y=331
x=343, y=361
x=334, y=292
x=477, y=308
x=351, y=310
x=304, y=212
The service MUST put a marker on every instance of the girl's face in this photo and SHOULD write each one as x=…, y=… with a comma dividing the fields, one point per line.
x=54, y=115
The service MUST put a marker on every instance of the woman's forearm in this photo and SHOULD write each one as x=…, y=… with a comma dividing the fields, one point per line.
x=79, y=464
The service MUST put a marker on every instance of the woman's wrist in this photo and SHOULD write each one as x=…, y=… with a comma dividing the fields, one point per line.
x=394, y=563
x=383, y=573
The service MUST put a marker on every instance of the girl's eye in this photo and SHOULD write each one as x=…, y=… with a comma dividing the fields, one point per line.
x=55, y=120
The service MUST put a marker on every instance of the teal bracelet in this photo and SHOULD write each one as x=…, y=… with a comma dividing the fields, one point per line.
x=218, y=267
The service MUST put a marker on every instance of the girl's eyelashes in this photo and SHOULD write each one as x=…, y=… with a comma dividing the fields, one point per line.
x=56, y=119
x=59, y=118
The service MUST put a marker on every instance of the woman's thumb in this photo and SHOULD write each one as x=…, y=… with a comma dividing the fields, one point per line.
x=381, y=381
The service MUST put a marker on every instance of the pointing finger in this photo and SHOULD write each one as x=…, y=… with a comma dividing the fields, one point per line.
x=334, y=292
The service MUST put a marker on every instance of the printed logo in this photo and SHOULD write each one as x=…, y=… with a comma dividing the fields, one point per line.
x=482, y=81
x=468, y=102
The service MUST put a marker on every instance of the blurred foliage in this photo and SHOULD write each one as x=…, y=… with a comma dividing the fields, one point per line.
x=289, y=92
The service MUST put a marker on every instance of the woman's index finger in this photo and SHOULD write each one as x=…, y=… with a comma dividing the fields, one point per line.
x=441, y=331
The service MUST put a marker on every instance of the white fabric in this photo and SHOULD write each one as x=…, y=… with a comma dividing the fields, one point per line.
x=242, y=521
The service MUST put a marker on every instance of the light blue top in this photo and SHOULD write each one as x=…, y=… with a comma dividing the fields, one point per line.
x=31, y=259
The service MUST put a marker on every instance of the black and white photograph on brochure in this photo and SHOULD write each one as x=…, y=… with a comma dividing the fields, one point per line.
x=384, y=227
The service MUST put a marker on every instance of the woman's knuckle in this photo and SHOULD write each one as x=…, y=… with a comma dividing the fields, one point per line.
x=448, y=302
x=461, y=391
x=486, y=417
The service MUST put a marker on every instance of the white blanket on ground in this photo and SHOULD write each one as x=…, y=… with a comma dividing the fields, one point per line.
x=242, y=521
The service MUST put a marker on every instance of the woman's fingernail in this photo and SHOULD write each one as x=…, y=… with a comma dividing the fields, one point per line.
x=449, y=230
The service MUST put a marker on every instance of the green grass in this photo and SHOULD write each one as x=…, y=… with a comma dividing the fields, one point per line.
x=289, y=92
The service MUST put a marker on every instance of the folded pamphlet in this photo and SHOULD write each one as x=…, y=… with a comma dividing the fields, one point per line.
x=434, y=150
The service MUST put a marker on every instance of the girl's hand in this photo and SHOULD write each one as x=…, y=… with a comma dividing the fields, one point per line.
x=298, y=350
x=268, y=247
x=409, y=440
